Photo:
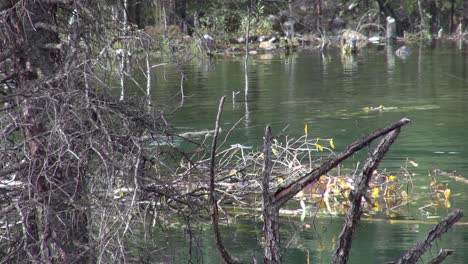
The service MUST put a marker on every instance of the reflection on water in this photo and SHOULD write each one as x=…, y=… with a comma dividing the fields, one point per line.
x=343, y=99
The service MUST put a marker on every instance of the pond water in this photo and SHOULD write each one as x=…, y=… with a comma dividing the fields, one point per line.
x=329, y=93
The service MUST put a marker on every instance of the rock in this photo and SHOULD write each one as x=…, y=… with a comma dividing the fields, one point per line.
x=208, y=37
x=253, y=52
x=403, y=52
x=267, y=45
x=351, y=41
x=241, y=40
x=262, y=38
x=375, y=39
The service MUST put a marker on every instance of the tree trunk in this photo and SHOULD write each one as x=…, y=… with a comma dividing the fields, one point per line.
x=271, y=233
x=270, y=210
x=180, y=9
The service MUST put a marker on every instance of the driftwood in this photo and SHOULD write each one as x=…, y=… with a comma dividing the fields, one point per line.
x=214, y=205
x=361, y=184
x=413, y=255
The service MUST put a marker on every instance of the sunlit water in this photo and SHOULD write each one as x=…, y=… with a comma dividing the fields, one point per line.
x=329, y=93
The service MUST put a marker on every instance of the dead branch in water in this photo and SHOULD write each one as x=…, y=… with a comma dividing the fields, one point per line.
x=413, y=255
x=361, y=184
x=285, y=194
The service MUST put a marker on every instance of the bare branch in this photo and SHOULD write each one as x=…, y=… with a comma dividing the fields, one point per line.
x=413, y=255
x=361, y=184
x=6, y=54
x=12, y=169
x=5, y=4
x=441, y=257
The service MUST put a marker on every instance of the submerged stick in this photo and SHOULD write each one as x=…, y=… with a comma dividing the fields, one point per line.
x=214, y=206
x=413, y=255
x=361, y=184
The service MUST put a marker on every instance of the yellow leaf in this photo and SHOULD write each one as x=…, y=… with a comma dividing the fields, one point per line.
x=447, y=193
x=121, y=194
x=232, y=172
x=280, y=180
x=375, y=192
x=391, y=177
x=392, y=215
x=319, y=147
x=275, y=151
x=448, y=204
x=331, y=144
x=306, y=130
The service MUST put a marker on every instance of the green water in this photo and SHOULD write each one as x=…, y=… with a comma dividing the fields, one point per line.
x=329, y=93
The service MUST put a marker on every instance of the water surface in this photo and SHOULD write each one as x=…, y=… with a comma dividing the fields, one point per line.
x=329, y=93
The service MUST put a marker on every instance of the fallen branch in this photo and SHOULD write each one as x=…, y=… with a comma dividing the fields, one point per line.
x=361, y=184
x=441, y=257
x=413, y=255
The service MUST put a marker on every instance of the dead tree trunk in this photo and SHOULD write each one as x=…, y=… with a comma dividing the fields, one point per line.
x=361, y=184
x=270, y=209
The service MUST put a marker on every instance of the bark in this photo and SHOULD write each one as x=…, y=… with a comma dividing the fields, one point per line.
x=270, y=210
x=361, y=184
